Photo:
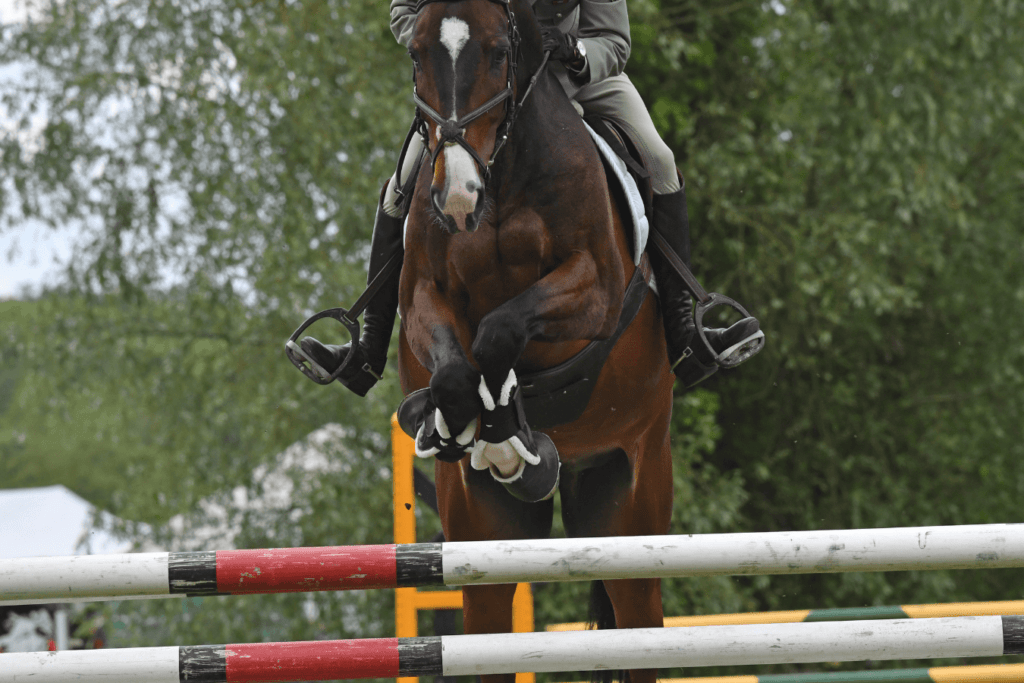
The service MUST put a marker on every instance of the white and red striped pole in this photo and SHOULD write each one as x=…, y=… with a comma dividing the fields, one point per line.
x=841, y=641
x=282, y=570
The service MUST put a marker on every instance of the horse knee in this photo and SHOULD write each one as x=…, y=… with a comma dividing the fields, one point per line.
x=500, y=340
x=453, y=388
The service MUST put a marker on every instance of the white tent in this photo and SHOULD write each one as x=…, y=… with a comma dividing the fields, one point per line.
x=48, y=521
x=53, y=521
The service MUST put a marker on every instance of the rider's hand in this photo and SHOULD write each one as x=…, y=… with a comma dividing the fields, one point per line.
x=563, y=47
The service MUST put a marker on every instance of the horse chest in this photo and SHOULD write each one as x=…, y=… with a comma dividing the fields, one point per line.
x=502, y=262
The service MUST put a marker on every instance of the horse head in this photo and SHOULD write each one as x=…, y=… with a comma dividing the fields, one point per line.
x=466, y=56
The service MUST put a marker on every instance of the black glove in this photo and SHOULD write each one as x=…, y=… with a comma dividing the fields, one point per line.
x=562, y=47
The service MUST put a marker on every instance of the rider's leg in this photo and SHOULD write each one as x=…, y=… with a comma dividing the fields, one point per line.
x=616, y=98
x=379, y=318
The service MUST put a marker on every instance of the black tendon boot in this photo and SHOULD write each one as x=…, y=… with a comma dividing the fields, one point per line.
x=691, y=361
x=371, y=353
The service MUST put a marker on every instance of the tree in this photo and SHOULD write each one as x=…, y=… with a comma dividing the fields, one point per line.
x=223, y=162
x=854, y=175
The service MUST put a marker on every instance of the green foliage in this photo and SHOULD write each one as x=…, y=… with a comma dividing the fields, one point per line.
x=854, y=175
x=227, y=195
x=13, y=316
x=224, y=163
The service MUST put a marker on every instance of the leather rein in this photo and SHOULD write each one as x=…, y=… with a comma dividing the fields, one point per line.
x=453, y=130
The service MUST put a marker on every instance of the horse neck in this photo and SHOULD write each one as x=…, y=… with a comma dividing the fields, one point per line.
x=547, y=121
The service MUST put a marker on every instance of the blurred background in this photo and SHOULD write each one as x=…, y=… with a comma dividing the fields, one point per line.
x=182, y=182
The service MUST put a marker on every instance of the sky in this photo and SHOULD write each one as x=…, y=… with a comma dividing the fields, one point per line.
x=30, y=254
x=30, y=257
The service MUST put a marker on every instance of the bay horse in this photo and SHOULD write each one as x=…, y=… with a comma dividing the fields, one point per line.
x=516, y=259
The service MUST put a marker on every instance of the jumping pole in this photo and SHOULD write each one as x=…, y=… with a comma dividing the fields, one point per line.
x=284, y=570
x=509, y=653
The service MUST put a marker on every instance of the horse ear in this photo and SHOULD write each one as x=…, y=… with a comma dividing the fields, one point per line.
x=529, y=30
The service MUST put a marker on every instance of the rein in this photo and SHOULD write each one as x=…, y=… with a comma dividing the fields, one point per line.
x=452, y=130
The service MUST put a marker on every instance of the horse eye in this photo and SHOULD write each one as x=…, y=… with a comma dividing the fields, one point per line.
x=500, y=57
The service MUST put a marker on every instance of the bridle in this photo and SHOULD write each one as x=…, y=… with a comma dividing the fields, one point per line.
x=452, y=131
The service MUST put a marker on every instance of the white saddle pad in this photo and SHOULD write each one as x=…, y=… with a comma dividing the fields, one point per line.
x=635, y=201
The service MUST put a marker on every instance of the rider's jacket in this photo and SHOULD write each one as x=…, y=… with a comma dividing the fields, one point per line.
x=601, y=25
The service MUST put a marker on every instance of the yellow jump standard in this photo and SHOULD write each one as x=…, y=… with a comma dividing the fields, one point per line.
x=951, y=609
x=991, y=673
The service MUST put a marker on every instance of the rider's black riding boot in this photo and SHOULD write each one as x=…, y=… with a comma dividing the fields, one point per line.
x=367, y=365
x=690, y=362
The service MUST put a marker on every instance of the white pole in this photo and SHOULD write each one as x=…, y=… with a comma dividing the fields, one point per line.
x=982, y=546
x=82, y=578
x=146, y=575
x=799, y=643
x=129, y=665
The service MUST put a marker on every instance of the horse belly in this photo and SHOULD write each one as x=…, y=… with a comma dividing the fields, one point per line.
x=632, y=393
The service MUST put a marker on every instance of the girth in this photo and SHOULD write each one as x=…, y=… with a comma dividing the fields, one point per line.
x=560, y=394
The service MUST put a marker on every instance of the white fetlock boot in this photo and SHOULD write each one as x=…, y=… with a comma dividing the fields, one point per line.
x=525, y=462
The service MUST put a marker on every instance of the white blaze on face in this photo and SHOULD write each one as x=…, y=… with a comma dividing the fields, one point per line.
x=462, y=179
x=454, y=36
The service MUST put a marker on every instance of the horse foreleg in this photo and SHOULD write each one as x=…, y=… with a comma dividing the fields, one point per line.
x=574, y=301
x=439, y=339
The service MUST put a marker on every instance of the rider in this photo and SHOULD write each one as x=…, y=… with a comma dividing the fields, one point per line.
x=589, y=44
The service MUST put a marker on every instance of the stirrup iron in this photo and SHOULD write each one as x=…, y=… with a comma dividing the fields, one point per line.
x=701, y=360
x=349, y=320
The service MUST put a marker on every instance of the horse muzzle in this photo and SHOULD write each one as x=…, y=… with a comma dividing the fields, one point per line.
x=458, y=211
x=457, y=191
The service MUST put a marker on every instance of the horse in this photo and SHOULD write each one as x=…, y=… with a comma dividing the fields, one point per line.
x=516, y=260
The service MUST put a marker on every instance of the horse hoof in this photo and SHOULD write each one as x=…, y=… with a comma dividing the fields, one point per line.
x=534, y=483
x=411, y=411
x=417, y=416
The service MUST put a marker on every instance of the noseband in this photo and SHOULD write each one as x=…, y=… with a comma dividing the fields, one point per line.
x=453, y=130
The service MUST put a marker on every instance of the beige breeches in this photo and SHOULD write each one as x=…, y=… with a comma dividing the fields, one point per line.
x=616, y=98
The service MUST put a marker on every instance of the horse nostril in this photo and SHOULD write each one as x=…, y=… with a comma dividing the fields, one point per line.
x=472, y=186
x=435, y=199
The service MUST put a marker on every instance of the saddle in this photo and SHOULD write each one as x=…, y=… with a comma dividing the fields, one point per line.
x=626, y=151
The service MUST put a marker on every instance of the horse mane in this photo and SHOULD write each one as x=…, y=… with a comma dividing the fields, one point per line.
x=532, y=45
